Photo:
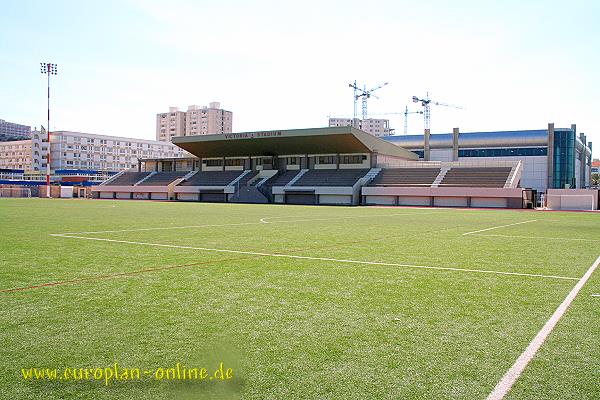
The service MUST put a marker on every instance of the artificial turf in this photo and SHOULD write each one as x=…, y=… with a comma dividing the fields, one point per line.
x=295, y=327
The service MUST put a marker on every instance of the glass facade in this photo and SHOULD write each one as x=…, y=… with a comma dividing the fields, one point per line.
x=504, y=152
x=564, y=159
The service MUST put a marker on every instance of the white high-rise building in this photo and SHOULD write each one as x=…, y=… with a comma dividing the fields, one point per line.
x=85, y=151
x=376, y=127
x=12, y=131
x=195, y=121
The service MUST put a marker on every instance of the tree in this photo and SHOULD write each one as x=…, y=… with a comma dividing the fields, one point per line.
x=596, y=179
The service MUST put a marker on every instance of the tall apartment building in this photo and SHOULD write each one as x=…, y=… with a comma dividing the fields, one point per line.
x=195, y=121
x=376, y=127
x=16, y=154
x=77, y=150
x=12, y=131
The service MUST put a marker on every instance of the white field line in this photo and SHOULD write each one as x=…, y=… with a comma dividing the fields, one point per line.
x=536, y=237
x=261, y=221
x=596, y=295
x=499, y=226
x=511, y=376
x=265, y=220
x=336, y=260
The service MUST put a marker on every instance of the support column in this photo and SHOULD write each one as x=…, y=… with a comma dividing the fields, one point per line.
x=589, y=165
x=582, y=162
x=455, y=144
x=577, y=184
x=373, y=157
x=550, y=178
x=426, y=151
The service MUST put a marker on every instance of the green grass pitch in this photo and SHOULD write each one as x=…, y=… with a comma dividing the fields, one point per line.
x=311, y=302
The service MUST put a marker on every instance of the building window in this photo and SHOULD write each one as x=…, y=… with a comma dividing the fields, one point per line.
x=352, y=159
x=213, y=163
x=236, y=162
x=326, y=160
x=504, y=152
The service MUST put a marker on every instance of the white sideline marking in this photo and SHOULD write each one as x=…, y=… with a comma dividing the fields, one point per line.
x=596, y=295
x=255, y=253
x=537, y=237
x=261, y=221
x=511, y=376
x=500, y=226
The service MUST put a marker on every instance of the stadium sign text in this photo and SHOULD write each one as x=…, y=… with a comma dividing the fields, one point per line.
x=252, y=135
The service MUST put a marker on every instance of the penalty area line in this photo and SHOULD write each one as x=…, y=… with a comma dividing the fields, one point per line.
x=336, y=260
x=511, y=376
x=536, y=237
x=498, y=227
x=261, y=221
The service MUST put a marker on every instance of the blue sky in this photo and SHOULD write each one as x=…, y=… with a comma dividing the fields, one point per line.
x=278, y=65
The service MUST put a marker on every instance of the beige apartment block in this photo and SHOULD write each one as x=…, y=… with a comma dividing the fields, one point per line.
x=374, y=126
x=86, y=151
x=78, y=150
x=169, y=125
x=195, y=121
x=15, y=154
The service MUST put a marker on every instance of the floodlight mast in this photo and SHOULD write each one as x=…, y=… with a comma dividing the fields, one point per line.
x=48, y=69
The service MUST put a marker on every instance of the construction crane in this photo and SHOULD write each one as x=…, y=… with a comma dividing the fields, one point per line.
x=365, y=94
x=426, y=103
x=406, y=112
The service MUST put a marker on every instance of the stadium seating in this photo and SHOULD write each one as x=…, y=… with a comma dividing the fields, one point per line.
x=331, y=177
x=490, y=177
x=212, y=178
x=163, y=178
x=247, y=178
x=283, y=178
x=420, y=177
x=128, y=178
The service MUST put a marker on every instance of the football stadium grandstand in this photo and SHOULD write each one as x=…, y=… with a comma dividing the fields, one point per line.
x=333, y=166
x=553, y=158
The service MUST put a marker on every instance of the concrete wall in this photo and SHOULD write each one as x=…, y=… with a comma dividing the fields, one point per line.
x=187, y=196
x=483, y=202
x=440, y=155
x=443, y=197
x=414, y=201
x=450, y=201
x=535, y=169
x=335, y=199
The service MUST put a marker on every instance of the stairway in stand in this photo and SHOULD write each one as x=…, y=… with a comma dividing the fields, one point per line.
x=249, y=194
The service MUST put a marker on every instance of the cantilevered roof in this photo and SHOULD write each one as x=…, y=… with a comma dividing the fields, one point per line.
x=332, y=140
